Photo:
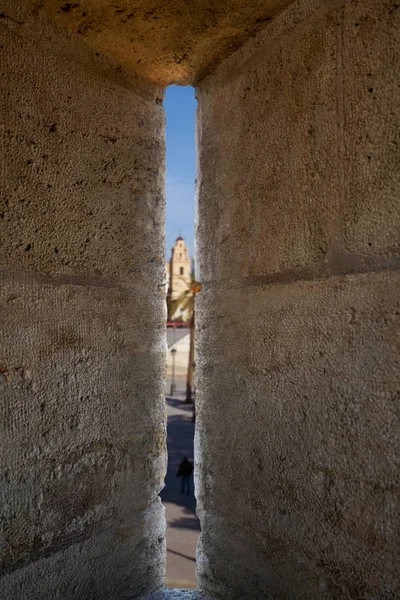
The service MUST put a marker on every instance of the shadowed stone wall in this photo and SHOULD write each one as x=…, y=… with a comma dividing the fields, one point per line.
x=82, y=314
x=168, y=42
x=297, y=366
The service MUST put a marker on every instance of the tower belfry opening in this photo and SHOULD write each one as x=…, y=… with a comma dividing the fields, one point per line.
x=179, y=274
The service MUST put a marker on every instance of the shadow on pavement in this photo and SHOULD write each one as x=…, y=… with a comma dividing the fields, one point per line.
x=185, y=523
x=180, y=434
x=182, y=555
x=174, y=336
x=176, y=403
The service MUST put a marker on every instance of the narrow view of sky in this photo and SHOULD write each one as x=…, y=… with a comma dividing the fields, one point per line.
x=180, y=109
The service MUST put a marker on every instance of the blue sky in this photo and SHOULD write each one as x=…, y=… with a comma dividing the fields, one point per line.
x=180, y=108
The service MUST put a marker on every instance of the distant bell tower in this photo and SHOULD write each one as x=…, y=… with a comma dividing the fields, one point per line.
x=179, y=270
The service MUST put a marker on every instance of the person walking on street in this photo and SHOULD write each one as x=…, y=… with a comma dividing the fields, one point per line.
x=185, y=472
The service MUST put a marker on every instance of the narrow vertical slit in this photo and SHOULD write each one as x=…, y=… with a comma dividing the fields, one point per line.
x=183, y=526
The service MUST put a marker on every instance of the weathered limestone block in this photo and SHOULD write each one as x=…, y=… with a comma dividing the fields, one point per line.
x=122, y=559
x=167, y=42
x=371, y=95
x=268, y=152
x=298, y=149
x=82, y=321
x=298, y=367
x=83, y=168
x=298, y=434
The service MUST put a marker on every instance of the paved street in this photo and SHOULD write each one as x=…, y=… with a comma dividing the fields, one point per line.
x=182, y=523
x=174, y=335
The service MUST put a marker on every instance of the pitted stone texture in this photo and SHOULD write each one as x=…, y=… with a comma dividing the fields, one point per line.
x=76, y=420
x=268, y=156
x=79, y=145
x=82, y=312
x=83, y=449
x=123, y=559
x=280, y=124
x=297, y=383
x=167, y=42
x=303, y=382
x=371, y=63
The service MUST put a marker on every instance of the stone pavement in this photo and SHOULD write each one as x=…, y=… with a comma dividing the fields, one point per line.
x=174, y=335
x=176, y=595
x=183, y=526
x=181, y=359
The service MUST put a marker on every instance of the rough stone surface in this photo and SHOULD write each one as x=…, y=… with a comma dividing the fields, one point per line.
x=119, y=560
x=284, y=159
x=167, y=42
x=371, y=64
x=307, y=400
x=82, y=313
x=297, y=354
x=83, y=147
x=289, y=190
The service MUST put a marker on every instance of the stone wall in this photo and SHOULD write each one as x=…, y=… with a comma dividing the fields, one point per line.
x=82, y=312
x=297, y=367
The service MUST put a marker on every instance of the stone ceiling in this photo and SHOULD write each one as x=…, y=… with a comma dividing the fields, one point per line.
x=167, y=41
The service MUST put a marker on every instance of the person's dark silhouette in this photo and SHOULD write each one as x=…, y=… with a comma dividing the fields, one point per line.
x=185, y=472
